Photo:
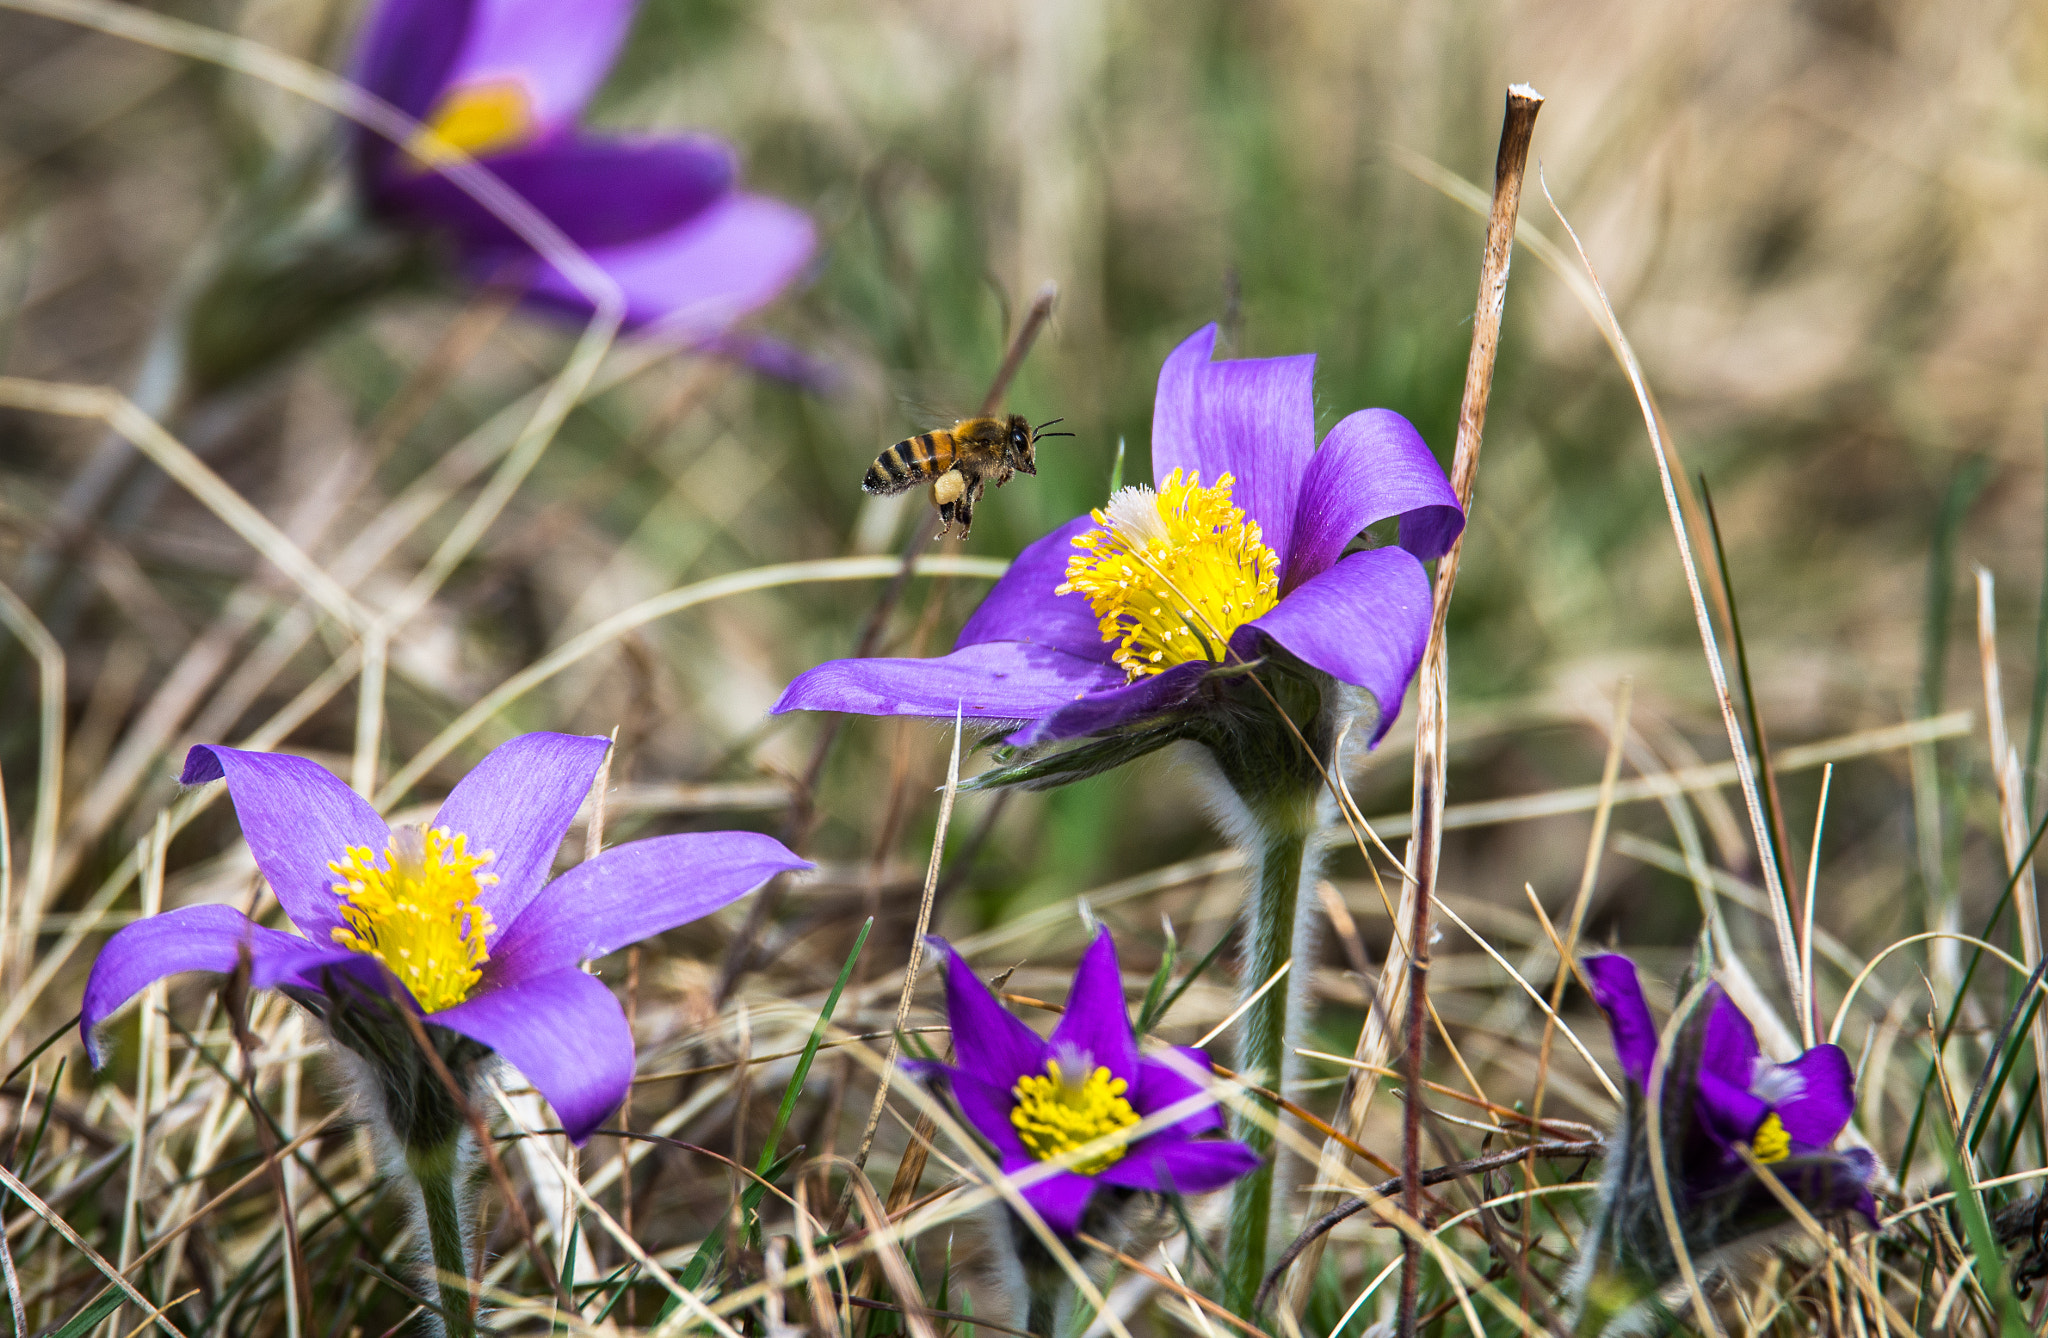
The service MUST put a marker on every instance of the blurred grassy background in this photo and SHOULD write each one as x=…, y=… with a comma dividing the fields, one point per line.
x=1824, y=224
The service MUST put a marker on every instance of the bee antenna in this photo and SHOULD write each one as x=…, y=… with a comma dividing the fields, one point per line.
x=1042, y=435
x=1048, y=423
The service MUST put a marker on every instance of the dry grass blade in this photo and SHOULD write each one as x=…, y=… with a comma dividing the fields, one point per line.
x=119, y=413
x=42, y=854
x=917, y=950
x=890, y=1251
x=1816, y=1232
x=675, y=601
x=693, y=1308
x=79, y=1243
x=1745, y=770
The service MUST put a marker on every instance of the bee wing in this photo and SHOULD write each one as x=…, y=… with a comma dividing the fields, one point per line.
x=932, y=404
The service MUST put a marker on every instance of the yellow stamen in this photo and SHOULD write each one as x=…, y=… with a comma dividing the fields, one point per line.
x=1772, y=1142
x=1171, y=574
x=1054, y=1115
x=418, y=914
x=476, y=119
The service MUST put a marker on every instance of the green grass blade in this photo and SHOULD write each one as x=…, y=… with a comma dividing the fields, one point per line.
x=94, y=1314
x=2012, y=1321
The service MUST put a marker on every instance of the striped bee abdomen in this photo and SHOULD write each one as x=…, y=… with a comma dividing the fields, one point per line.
x=909, y=462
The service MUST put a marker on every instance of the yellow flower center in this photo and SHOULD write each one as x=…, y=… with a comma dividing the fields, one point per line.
x=476, y=119
x=1171, y=574
x=1054, y=1114
x=418, y=914
x=1772, y=1142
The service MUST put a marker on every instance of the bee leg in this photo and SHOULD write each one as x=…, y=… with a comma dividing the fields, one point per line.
x=963, y=510
x=947, y=487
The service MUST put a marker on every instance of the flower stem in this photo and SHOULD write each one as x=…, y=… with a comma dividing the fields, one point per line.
x=1282, y=831
x=439, y=1173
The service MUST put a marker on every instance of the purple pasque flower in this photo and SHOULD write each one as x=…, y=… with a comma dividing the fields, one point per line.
x=1034, y=1098
x=457, y=918
x=1141, y=609
x=505, y=82
x=1718, y=1092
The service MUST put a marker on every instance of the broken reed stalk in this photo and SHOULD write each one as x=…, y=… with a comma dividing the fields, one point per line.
x=1517, y=126
x=804, y=812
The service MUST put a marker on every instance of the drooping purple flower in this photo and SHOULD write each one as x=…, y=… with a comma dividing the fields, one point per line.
x=1719, y=1091
x=457, y=919
x=506, y=81
x=1034, y=1098
x=1145, y=608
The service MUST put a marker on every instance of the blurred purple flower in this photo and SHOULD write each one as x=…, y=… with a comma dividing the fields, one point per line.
x=1143, y=608
x=505, y=82
x=1718, y=1091
x=457, y=918
x=1782, y=1111
x=1034, y=1099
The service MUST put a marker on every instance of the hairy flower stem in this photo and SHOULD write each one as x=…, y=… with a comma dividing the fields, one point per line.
x=439, y=1173
x=1283, y=823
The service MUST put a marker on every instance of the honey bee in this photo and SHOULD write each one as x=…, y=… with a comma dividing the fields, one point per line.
x=960, y=461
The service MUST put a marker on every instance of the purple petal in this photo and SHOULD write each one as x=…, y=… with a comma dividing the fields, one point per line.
x=1372, y=465
x=598, y=192
x=1060, y=1198
x=1730, y=1112
x=1824, y=1099
x=1096, y=1021
x=1861, y=1167
x=1162, y=1084
x=988, y=1043
x=987, y=1107
x=1620, y=996
x=1120, y=704
x=1176, y=1166
x=296, y=817
x=1364, y=621
x=692, y=282
x=1728, y=1049
x=996, y=680
x=1023, y=607
x=565, y=1032
x=631, y=892
x=406, y=53
x=517, y=803
x=1253, y=418
x=558, y=53
x=192, y=938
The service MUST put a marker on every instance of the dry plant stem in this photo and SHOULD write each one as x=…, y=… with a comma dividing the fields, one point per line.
x=2012, y=816
x=803, y=816
x=1518, y=124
